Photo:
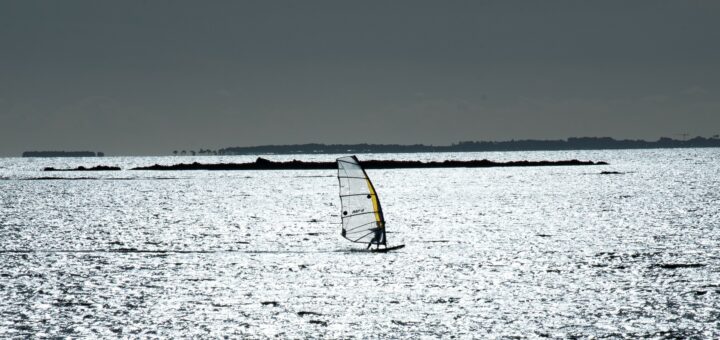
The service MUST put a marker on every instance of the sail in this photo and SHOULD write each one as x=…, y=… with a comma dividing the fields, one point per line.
x=362, y=217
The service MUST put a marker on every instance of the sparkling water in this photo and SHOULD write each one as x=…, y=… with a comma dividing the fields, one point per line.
x=630, y=249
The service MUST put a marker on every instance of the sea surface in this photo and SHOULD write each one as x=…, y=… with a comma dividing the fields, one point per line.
x=490, y=253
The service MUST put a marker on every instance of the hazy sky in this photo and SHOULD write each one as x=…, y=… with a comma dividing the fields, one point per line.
x=149, y=77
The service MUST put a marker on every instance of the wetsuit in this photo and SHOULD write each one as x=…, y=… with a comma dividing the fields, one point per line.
x=378, y=237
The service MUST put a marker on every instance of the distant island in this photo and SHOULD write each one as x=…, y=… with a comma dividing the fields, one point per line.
x=62, y=154
x=82, y=168
x=579, y=143
x=264, y=164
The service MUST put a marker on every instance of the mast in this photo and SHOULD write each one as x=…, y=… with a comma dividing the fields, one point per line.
x=381, y=217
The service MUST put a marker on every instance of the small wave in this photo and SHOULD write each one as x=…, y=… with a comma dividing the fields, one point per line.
x=56, y=178
x=119, y=250
x=304, y=313
x=319, y=322
x=169, y=251
x=679, y=265
x=608, y=173
x=404, y=323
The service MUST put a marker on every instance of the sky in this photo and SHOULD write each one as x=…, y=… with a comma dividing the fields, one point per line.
x=149, y=77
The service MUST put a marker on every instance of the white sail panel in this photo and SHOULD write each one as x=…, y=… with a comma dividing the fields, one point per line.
x=361, y=213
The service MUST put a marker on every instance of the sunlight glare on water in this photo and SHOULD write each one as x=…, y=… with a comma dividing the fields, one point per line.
x=536, y=251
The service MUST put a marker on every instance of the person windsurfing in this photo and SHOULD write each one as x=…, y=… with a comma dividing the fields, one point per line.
x=378, y=237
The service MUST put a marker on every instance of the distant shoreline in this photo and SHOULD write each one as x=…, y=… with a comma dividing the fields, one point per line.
x=264, y=164
x=570, y=144
x=583, y=143
x=27, y=154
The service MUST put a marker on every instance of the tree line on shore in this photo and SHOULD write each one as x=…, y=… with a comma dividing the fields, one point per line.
x=201, y=152
x=579, y=143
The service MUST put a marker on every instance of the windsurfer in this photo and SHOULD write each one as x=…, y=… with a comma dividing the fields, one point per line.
x=378, y=235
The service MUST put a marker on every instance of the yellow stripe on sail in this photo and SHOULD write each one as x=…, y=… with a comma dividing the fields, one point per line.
x=374, y=199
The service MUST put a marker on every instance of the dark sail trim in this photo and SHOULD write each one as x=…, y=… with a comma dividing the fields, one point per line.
x=377, y=198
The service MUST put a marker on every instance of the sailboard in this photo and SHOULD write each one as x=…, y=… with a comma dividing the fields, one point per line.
x=361, y=212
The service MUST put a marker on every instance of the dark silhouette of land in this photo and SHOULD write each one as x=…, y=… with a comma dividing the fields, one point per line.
x=584, y=143
x=82, y=168
x=264, y=164
x=62, y=154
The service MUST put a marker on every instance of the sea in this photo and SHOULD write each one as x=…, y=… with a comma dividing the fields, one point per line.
x=625, y=250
